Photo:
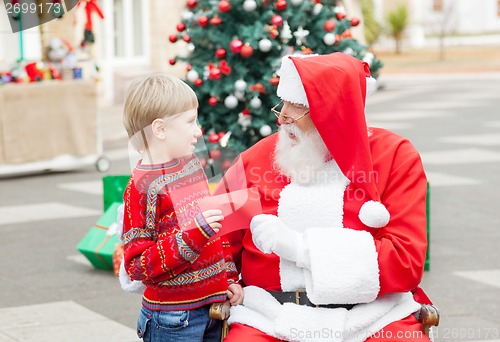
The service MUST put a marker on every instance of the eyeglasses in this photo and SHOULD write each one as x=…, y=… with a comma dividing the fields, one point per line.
x=286, y=119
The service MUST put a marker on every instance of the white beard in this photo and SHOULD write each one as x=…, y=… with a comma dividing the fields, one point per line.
x=299, y=158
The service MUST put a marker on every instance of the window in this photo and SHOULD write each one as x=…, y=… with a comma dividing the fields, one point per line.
x=438, y=5
x=128, y=28
x=118, y=29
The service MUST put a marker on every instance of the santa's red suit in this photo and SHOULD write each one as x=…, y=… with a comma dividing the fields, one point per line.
x=362, y=225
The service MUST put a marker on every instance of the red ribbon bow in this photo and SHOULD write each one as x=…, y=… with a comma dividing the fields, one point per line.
x=258, y=87
x=224, y=67
x=91, y=6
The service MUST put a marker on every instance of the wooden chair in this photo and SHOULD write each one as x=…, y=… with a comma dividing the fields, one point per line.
x=428, y=316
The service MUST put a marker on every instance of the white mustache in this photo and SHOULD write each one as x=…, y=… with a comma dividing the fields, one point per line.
x=292, y=129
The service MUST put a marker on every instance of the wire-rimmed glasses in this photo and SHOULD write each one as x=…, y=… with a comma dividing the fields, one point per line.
x=286, y=119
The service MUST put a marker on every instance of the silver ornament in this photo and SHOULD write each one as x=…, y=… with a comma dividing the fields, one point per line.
x=192, y=75
x=231, y=102
x=249, y=5
x=265, y=130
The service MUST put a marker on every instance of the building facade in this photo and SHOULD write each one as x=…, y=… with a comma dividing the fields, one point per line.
x=431, y=18
x=132, y=39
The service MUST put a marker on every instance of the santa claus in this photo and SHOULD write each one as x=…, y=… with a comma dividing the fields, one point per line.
x=339, y=252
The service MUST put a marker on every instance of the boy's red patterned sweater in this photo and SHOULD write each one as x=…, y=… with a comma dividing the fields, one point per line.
x=166, y=238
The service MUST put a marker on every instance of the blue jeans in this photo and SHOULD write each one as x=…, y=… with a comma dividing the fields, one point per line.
x=179, y=326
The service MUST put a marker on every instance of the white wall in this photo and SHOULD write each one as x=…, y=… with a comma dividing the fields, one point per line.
x=460, y=16
x=478, y=16
x=9, y=42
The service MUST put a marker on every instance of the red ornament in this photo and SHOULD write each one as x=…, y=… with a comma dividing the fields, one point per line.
x=189, y=67
x=274, y=81
x=220, y=53
x=216, y=21
x=354, y=21
x=236, y=45
x=172, y=38
x=221, y=134
x=181, y=27
x=198, y=82
x=213, y=138
x=281, y=5
x=340, y=15
x=214, y=74
x=224, y=6
x=246, y=51
x=192, y=3
x=277, y=20
x=246, y=112
x=329, y=26
x=172, y=61
x=226, y=164
x=212, y=101
x=203, y=21
x=215, y=154
x=186, y=38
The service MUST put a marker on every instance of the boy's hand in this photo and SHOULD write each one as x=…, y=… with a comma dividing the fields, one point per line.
x=212, y=217
x=235, y=294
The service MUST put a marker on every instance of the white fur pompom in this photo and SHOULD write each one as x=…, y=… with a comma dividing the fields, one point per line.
x=374, y=214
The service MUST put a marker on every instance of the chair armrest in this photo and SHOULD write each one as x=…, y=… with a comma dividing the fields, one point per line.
x=220, y=311
x=428, y=316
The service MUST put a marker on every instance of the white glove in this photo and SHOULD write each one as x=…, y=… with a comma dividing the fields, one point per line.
x=270, y=234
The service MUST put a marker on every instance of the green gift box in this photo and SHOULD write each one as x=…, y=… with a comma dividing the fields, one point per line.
x=113, y=188
x=98, y=244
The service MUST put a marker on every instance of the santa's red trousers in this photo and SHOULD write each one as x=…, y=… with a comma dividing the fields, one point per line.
x=408, y=330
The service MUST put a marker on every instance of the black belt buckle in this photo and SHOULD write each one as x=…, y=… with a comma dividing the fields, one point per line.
x=301, y=298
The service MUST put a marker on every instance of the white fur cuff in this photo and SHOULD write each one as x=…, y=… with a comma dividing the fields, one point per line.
x=127, y=284
x=344, y=266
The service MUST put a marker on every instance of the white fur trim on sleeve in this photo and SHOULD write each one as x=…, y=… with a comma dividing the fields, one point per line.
x=290, y=87
x=119, y=222
x=371, y=85
x=374, y=214
x=343, y=266
x=127, y=284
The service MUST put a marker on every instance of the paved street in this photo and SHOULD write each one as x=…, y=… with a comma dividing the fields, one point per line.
x=49, y=292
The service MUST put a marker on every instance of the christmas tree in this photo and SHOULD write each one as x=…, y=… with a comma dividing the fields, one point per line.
x=234, y=53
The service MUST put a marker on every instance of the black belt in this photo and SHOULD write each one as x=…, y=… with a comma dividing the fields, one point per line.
x=300, y=297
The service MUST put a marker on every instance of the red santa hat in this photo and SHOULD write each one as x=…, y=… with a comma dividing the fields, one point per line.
x=334, y=87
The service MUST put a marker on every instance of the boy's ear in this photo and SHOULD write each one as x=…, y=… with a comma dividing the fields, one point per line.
x=158, y=129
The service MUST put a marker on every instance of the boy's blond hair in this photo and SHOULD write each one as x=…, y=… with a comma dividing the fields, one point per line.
x=152, y=98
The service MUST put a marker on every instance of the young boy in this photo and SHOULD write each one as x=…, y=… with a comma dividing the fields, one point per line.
x=165, y=235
